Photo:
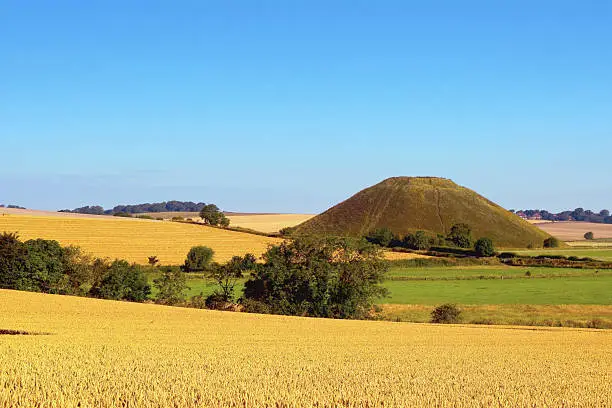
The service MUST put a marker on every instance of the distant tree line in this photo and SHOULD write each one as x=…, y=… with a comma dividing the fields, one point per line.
x=12, y=206
x=166, y=206
x=579, y=214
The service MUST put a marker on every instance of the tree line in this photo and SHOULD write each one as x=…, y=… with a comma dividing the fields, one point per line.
x=460, y=236
x=579, y=214
x=165, y=206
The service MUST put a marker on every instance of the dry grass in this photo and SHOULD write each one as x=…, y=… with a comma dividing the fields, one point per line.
x=133, y=239
x=108, y=354
x=394, y=256
x=268, y=222
x=574, y=230
x=568, y=315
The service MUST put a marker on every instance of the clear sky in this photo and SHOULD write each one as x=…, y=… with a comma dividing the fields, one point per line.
x=295, y=105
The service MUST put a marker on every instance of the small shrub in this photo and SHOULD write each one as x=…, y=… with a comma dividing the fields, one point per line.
x=552, y=242
x=254, y=306
x=589, y=235
x=528, y=273
x=447, y=314
x=198, y=259
x=484, y=247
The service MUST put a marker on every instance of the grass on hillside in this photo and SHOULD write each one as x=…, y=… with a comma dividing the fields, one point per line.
x=104, y=354
x=134, y=239
x=407, y=204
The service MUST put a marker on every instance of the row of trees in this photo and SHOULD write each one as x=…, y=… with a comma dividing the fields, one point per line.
x=579, y=214
x=460, y=236
x=165, y=206
x=12, y=206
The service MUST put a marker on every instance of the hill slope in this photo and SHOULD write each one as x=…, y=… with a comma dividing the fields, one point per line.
x=408, y=204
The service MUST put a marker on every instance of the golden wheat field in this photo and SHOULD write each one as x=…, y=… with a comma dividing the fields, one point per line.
x=268, y=222
x=134, y=239
x=101, y=353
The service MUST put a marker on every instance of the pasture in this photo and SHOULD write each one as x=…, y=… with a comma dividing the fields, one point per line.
x=134, y=239
x=600, y=253
x=106, y=354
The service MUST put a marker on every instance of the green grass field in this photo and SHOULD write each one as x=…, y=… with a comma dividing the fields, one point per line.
x=493, y=294
x=603, y=254
x=586, y=290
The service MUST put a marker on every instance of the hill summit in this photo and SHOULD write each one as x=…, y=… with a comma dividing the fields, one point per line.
x=408, y=204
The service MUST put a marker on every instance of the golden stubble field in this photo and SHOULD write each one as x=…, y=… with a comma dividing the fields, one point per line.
x=574, y=230
x=108, y=354
x=134, y=239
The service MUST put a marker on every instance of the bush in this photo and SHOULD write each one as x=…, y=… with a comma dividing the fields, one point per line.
x=419, y=240
x=447, y=313
x=319, y=276
x=589, y=235
x=461, y=235
x=211, y=215
x=552, y=242
x=198, y=259
x=170, y=286
x=484, y=247
x=381, y=236
x=122, y=281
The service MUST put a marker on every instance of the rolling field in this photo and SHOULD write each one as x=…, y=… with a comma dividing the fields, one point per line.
x=268, y=222
x=107, y=354
x=133, y=239
x=574, y=230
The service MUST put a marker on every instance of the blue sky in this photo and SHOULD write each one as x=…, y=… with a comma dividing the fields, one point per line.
x=293, y=106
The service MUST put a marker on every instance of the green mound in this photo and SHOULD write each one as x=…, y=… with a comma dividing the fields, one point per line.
x=408, y=204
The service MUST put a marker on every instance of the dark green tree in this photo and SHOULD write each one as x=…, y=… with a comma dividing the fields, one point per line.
x=198, y=259
x=552, y=242
x=13, y=259
x=171, y=286
x=419, y=240
x=381, y=236
x=484, y=247
x=122, y=281
x=44, y=266
x=589, y=235
x=461, y=235
x=447, y=313
x=318, y=276
x=211, y=215
x=227, y=276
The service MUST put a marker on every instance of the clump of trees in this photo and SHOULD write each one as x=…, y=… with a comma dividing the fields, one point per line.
x=211, y=215
x=317, y=276
x=552, y=242
x=460, y=236
x=198, y=259
x=41, y=265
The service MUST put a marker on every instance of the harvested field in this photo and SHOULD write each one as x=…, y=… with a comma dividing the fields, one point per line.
x=268, y=222
x=574, y=230
x=104, y=354
x=135, y=239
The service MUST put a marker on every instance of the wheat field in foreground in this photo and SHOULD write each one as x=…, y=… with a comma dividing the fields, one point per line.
x=106, y=354
x=133, y=239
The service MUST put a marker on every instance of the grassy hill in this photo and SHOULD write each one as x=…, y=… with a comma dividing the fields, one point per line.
x=407, y=204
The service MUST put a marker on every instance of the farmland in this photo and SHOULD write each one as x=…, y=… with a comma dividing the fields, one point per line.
x=105, y=353
x=603, y=253
x=133, y=239
x=574, y=230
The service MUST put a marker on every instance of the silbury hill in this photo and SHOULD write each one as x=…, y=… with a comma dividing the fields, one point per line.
x=408, y=204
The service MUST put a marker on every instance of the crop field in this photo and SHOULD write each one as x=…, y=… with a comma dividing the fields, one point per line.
x=107, y=354
x=133, y=239
x=574, y=230
x=268, y=222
